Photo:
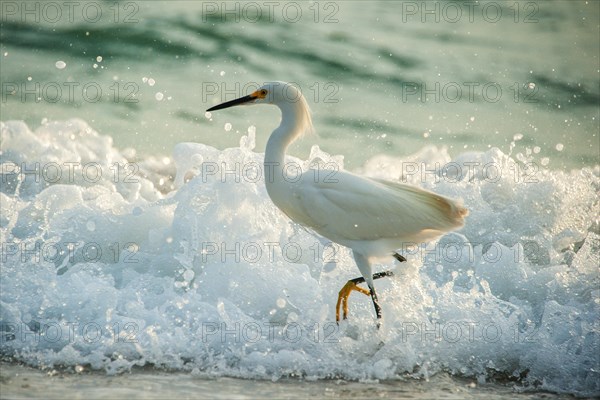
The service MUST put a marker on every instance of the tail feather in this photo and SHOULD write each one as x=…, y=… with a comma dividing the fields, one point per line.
x=456, y=217
x=457, y=212
x=448, y=210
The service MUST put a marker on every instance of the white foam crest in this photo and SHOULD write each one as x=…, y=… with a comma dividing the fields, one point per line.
x=213, y=277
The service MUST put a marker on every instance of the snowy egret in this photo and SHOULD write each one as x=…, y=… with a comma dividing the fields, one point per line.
x=373, y=217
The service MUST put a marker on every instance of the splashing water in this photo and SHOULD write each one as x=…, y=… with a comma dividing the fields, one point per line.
x=111, y=263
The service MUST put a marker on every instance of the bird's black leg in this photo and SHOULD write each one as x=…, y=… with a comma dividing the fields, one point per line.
x=399, y=257
x=375, y=303
x=372, y=290
x=378, y=275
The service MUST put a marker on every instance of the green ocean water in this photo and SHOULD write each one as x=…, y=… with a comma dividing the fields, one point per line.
x=385, y=77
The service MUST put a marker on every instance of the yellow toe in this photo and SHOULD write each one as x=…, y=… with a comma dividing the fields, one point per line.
x=343, y=298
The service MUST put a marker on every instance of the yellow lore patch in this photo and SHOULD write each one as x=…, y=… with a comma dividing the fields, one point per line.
x=259, y=94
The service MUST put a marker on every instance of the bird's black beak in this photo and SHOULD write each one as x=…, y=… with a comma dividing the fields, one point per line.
x=232, y=103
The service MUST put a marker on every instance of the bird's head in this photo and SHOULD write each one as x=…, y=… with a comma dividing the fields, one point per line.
x=284, y=95
x=277, y=93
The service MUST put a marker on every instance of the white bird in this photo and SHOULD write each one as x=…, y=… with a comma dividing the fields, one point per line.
x=373, y=217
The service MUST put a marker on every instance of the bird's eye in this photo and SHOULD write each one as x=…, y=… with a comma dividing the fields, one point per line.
x=260, y=94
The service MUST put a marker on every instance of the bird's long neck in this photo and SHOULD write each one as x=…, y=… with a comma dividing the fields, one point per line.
x=295, y=119
x=277, y=145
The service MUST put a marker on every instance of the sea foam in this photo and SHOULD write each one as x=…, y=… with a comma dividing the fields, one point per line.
x=111, y=262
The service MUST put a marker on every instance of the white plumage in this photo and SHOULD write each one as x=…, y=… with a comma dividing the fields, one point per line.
x=373, y=217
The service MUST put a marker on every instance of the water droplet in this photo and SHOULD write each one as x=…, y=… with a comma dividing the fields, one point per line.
x=227, y=127
x=99, y=58
x=222, y=73
x=545, y=161
x=281, y=302
x=151, y=82
x=518, y=136
x=536, y=149
x=292, y=317
x=95, y=65
x=90, y=226
x=207, y=115
x=560, y=146
x=159, y=96
x=188, y=275
x=60, y=64
x=144, y=79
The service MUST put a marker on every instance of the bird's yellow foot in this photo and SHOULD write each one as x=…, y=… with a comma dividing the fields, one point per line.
x=343, y=298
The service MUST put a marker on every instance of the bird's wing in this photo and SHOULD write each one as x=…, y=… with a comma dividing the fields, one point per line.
x=357, y=208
